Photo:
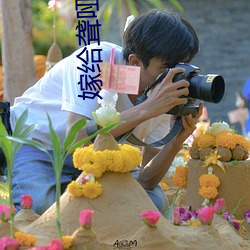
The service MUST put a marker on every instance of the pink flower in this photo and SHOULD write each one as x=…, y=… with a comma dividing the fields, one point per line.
x=8, y=243
x=206, y=215
x=176, y=217
x=86, y=218
x=219, y=206
x=150, y=217
x=5, y=212
x=53, y=4
x=55, y=245
x=26, y=201
x=84, y=180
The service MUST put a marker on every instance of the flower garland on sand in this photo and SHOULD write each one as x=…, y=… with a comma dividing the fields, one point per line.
x=222, y=141
x=104, y=155
x=208, y=186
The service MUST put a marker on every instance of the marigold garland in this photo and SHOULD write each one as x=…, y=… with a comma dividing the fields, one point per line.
x=206, y=141
x=208, y=192
x=24, y=239
x=95, y=163
x=98, y=162
x=209, y=180
x=180, y=177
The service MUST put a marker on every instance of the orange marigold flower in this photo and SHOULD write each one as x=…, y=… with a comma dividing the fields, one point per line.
x=24, y=239
x=67, y=242
x=206, y=141
x=225, y=139
x=195, y=141
x=164, y=186
x=242, y=141
x=180, y=177
x=208, y=192
x=209, y=180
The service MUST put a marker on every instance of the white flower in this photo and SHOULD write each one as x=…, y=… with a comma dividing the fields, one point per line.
x=217, y=127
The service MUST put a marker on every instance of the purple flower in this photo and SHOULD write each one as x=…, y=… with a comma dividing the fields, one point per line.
x=236, y=224
x=247, y=214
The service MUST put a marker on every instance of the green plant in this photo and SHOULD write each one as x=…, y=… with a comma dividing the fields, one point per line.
x=9, y=149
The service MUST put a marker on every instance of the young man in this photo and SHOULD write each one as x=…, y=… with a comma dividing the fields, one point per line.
x=154, y=41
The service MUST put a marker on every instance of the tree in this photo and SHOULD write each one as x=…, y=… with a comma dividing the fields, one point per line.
x=17, y=47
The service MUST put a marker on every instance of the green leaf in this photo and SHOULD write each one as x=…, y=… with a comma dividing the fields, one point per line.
x=23, y=134
x=132, y=7
x=172, y=207
x=71, y=136
x=35, y=144
x=20, y=123
x=5, y=144
x=56, y=147
x=157, y=4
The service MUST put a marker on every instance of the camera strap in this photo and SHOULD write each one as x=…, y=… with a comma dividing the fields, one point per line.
x=131, y=138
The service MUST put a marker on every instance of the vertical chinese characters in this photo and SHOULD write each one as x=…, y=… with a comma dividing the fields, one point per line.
x=89, y=82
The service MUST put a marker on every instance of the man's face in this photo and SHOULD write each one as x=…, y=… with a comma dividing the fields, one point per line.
x=149, y=75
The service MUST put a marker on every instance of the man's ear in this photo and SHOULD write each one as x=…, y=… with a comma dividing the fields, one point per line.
x=134, y=60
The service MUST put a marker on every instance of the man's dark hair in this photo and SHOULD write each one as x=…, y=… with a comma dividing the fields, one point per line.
x=162, y=34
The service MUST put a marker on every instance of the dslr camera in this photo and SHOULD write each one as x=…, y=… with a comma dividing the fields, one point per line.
x=209, y=88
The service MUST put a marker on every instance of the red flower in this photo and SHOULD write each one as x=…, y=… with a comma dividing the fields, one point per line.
x=150, y=217
x=26, y=201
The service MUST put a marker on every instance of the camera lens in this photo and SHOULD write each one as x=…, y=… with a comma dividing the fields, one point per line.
x=209, y=88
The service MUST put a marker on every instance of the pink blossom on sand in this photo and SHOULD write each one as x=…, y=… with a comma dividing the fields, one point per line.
x=219, y=206
x=206, y=215
x=8, y=243
x=54, y=4
x=5, y=212
x=86, y=218
x=26, y=201
x=150, y=217
x=176, y=217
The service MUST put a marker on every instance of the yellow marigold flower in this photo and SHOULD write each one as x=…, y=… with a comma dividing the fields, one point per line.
x=209, y=180
x=206, y=141
x=164, y=186
x=193, y=223
x=83, y=156
x=93, y=169
x=208, y=192
x=27, y=240
x=67, y=242
x=75, y=189
x=226, y=140
x=92, y=189
x=180, y=177
x=131, y=157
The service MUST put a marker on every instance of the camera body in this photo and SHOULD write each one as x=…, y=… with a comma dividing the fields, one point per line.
x=209, y=88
